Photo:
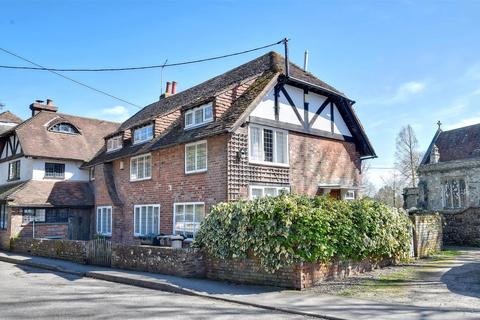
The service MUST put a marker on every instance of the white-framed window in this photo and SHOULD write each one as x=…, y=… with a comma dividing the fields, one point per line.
x=114, y=143
x=262, y=191
x=143, y=134
x=268, y=145
x=187, y=218
x=141, y=167
x=14, y=170
x=198, y=116
x=104, y=220
x=196, y=156
x=64, y=128
x=146, y=221
x=349, y=195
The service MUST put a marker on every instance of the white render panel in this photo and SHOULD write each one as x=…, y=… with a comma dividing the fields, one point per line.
x=25, y=170
x=72, y=170
x=340, y=126
x=266, y=108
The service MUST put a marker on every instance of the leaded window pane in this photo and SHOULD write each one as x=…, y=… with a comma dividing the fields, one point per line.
x=268, y=145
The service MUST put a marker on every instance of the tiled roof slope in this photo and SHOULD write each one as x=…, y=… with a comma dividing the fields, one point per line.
x=262, y=71
x=50, y=193
x=458, y=144
x=7, y=116
x=271, y=61
x=37, y=141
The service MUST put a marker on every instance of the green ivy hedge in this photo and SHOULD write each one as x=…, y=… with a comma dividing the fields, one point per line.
x=289, y=228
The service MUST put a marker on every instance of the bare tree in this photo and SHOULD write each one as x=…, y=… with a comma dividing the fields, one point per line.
x=407, y=156
x=390, y=193
x=368, y=187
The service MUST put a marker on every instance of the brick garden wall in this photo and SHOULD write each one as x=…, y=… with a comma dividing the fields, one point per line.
x=299, y=276
x=462, y=228
x=164, y=260
x=69, y=250
x=427, y=234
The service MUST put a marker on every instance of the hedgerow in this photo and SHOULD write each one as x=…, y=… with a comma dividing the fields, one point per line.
x=290, y=228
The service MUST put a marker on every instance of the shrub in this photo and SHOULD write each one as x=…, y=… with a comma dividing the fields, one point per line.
x=290, y=228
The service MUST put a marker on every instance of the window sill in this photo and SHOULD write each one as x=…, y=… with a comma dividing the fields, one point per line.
x=43, y=223
x=197, y=171
x=143, y=179
x=197, y=125
x=113, y=150
x=54, y=178
x=14, y=179
x=270, y=164
x=135, y=143
x=104, y=235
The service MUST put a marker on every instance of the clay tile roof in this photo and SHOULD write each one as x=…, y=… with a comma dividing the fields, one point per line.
x=263, y=70
x=38, y=141
x=459, y=144
x=7, y=116
x=51, y=193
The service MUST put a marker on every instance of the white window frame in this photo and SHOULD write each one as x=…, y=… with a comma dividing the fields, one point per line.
x=274, y=144
x=135, y=178
x=205, y=119
x=349, y=197
x=147, y=136
x=140, y=206
x=114, y=143
x=196, y=170
x=263, y=187
x=98, y=228
x=184, y=204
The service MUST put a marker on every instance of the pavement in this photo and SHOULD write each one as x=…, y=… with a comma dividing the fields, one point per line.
x=303, y=303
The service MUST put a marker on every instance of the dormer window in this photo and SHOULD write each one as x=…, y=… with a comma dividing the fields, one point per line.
x=64, y=127
x=143, y=134
x=114, y=143
x=199, y=116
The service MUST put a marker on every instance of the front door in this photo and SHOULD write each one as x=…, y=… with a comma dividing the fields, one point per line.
x=335, y=194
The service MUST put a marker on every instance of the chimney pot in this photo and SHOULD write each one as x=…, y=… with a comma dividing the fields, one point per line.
x=174, y=87
x=169, y=89
x=50, y=102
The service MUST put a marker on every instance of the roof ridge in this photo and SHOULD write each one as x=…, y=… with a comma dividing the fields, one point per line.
x=464, y=127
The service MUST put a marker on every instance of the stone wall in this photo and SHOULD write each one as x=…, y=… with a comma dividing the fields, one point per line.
x=69, y=250
x=431, y=177
x=164, y=260
x=462, y=228
x=299, y=276
x=427, y=234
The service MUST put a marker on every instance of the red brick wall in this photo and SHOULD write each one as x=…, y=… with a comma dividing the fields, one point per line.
x=42, y=230
x=313, y=160
x=169, y=184
x=316, y=160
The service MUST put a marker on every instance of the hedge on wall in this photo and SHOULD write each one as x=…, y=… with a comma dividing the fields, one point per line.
x=290, y=228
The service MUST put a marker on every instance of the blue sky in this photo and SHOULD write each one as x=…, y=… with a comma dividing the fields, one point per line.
x=404, y=62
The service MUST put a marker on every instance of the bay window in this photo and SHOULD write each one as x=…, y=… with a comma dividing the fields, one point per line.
x=268, y=145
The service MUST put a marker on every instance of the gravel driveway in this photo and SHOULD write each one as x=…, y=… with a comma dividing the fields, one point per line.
x=450, y=279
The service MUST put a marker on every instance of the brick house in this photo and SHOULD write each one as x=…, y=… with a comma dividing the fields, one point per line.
x=252, y=131
x=44, y=192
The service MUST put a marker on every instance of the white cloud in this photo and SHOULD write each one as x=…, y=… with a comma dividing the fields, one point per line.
x=463, y=123
x=404, y=92
x=116, y=113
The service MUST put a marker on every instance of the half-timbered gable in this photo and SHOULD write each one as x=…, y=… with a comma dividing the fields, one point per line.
x=11, y=148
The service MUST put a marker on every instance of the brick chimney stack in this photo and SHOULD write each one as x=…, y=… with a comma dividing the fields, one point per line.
x=39, y=106
x=170, y=90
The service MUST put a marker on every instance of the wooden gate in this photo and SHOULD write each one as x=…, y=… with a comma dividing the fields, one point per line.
x=99, y=252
